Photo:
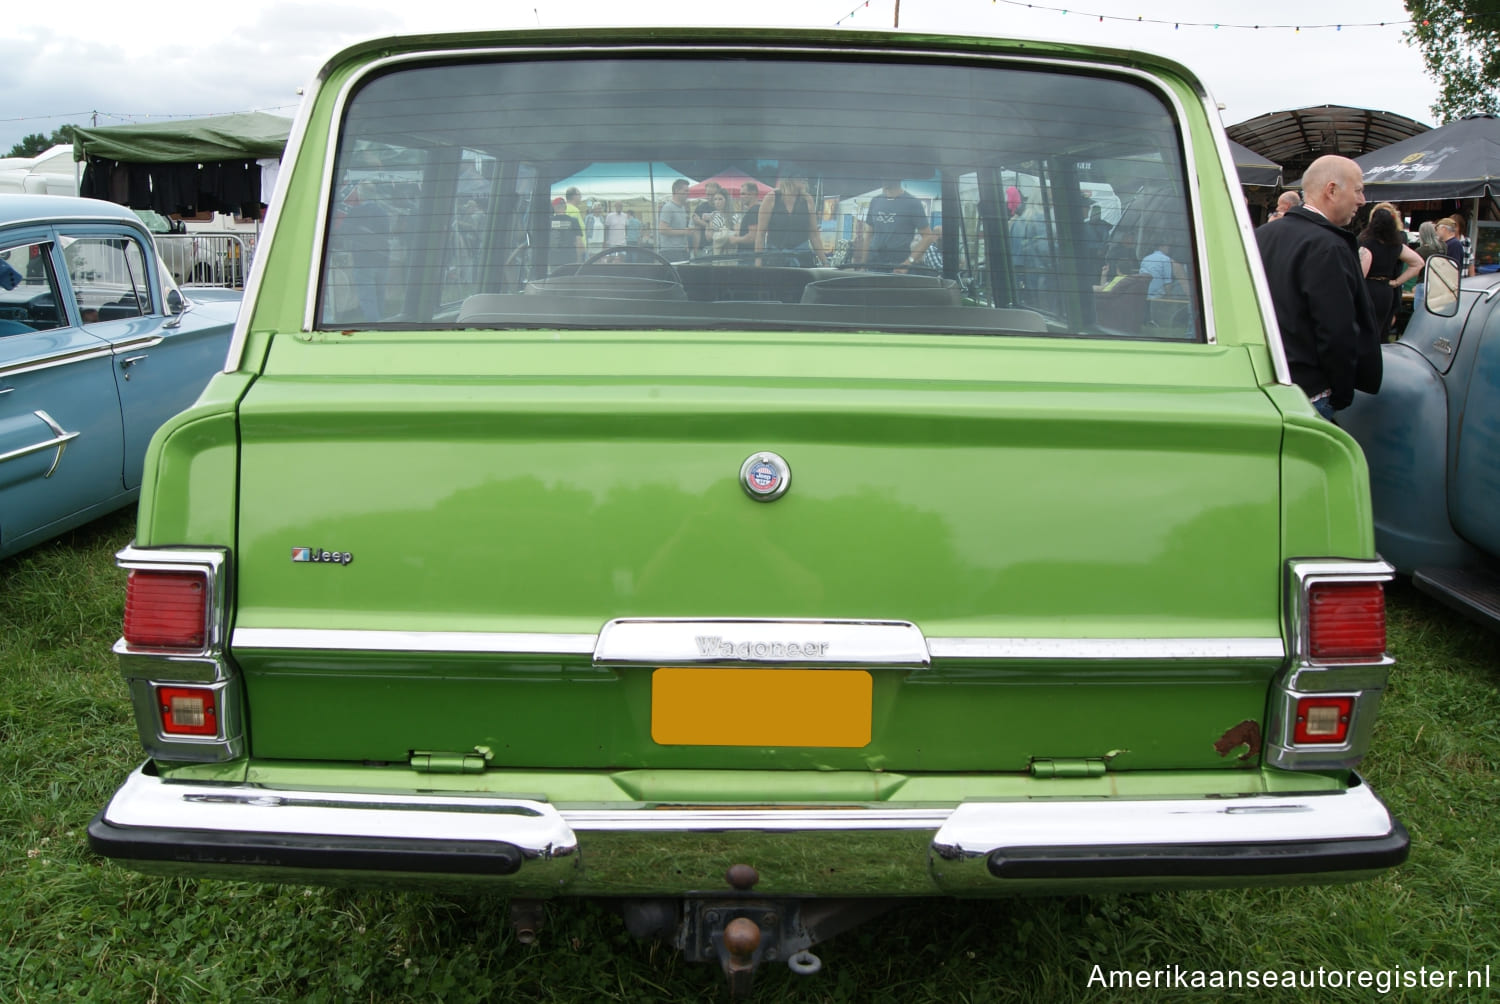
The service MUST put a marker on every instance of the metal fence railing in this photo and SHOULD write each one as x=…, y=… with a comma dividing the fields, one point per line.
x=206, y=259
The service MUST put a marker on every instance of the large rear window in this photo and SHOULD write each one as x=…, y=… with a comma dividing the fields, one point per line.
x=748, y=192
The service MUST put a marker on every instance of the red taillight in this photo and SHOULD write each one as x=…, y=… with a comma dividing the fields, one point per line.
x=187, y=711
x=1346, y=620
x=166, y=609
x=1322, y=719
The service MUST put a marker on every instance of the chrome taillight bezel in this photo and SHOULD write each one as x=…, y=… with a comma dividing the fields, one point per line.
x=146, y=668
x=1362, y=679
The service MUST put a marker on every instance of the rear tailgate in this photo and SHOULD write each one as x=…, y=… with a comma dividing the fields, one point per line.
x=1046, y=513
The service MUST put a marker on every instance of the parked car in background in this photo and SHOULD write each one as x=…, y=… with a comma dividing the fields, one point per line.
x=1432, y=440
x=97, y=348
x=751, y=593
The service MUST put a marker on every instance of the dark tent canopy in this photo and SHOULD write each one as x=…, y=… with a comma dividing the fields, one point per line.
x=1460, y=160
x=183, y=167
x=1253, y=169
x=1296, y=138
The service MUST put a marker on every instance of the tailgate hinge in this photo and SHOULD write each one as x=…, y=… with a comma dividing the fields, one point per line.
x=430, y=762
x=1068, y=766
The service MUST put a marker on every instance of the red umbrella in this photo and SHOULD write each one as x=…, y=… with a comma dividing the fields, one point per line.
x=731, y=180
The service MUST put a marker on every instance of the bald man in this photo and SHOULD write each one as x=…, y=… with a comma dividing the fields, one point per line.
x=1328, y=326
x=1285, y=202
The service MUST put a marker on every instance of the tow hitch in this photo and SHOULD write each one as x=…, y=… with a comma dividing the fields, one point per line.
x=742, y=931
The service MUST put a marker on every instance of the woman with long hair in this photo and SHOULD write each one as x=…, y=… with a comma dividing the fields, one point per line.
x=1382, y=253
x=1428, y=243
x=788, y=222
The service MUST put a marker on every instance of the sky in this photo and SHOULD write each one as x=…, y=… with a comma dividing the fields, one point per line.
x=111, y=63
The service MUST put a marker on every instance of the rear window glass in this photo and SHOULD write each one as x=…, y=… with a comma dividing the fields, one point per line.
x=756, y=193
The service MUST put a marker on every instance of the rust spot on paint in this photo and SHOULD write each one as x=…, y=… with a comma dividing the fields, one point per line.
x=1246, y=733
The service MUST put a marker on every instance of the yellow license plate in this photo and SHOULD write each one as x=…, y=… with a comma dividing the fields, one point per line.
x=761, y=707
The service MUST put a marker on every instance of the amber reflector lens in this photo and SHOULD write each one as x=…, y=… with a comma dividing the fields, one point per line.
x=166, y=609
x=1323, y=719
x=1346, y=620
x=187, y=711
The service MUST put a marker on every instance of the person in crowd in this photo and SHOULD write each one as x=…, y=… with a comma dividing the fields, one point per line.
x=701, y=212
x=633, y=227
x=893, y=222
x=674, y=229
x=743, y=239
x=1387, y=264
x=616, y=223
x=593, y=227
x=1466, y=258
x=1284, y=202
x=1097, y=231
x=567, y=236
x=719, y=224
x=1328, y=327
x=1427, y=241
x=575, y=204
x=788, y=222
x=1453, y=246
x=1030, y=250
x=1166, y=275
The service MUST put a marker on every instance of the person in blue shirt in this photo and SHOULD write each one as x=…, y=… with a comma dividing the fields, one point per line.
x=894, y=220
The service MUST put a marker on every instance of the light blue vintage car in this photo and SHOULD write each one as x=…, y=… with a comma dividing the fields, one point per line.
x=1432, y=440
x=97, y=348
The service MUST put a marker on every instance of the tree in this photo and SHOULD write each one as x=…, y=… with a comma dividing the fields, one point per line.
x=30, y=146
x=37, y=142
x=1460, y=43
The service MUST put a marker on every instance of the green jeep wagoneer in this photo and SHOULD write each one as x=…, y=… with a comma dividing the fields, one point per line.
x=747, y=476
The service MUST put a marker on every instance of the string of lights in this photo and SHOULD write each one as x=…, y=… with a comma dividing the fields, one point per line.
x=1178, y=23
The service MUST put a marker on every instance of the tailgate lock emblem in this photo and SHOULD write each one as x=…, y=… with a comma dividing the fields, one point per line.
x=765, y=477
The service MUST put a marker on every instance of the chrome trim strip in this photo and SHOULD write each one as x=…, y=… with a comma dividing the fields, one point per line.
x=1050, y=649
x=60, y=439
x=708, y=820
x=496, y=642
x=235, y=357
x=851, y=53
x=77, y=355
x=148, y=801
x=1251, y=245
x=134, y=344
x=949, y=649
x=751, y=641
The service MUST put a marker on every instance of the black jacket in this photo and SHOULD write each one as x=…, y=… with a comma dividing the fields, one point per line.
x=1328, y=325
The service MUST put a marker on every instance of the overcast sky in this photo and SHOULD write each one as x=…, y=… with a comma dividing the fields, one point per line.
x=63, y=62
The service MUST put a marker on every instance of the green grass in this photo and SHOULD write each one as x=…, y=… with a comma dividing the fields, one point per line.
x=74, y=927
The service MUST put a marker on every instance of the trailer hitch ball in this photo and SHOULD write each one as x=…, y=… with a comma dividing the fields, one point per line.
x=741, y=939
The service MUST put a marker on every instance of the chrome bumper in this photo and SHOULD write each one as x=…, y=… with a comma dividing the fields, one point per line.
x=534, y=848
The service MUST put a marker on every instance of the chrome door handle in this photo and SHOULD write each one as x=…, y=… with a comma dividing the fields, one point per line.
x=130, y=361
x=60, y=439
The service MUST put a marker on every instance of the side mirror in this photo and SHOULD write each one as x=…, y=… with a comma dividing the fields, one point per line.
x=174, y=302
x=1440, y=295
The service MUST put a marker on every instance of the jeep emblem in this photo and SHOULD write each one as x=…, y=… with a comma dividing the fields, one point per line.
x=765, y=477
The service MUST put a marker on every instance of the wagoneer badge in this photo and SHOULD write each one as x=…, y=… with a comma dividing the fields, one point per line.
x=765, y=477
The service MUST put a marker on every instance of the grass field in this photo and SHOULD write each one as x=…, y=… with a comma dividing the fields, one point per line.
x=75, y=928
